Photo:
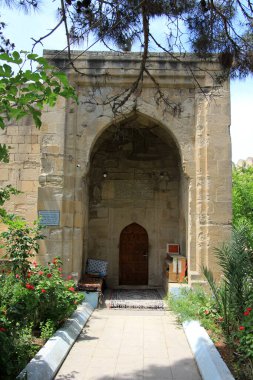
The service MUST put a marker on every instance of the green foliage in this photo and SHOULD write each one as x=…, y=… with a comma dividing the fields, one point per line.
x=196, y=304
x=233, y=295
x=47, y=329
x=243, y=197
x=245, y=334
x=32, y=297
x=41, y=301
x=222, y=299
x=25, y=92
x=234, y=292
x=5, y=194
x=20, y=242
x=16, y=348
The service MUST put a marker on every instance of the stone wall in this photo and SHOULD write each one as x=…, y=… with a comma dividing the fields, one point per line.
x=23, y=170
x=168, y=171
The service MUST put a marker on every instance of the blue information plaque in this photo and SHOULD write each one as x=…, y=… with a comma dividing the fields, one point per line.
x=49, y=217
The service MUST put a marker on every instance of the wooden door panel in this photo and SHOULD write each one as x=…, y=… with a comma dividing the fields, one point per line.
x=133, y=258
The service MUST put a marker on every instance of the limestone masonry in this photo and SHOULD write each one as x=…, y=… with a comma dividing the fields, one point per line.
x=94, y=173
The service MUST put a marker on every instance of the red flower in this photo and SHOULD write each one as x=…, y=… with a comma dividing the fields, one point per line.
x=249, y=308
x=206, y=312
x=60, y=269
x=71, y=289
x=2, y=329
x=241, y=328
x=55, y=260
x=43, y=291
x=28, y=274
x=69, y=277
x=40, y=273
x=35, y=264
x=49, y=275
x=17, y=276
x=246, y=313
x=220, y=319
x=29, y=286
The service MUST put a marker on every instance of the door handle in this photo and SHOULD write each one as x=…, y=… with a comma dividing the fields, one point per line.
x=145, y=255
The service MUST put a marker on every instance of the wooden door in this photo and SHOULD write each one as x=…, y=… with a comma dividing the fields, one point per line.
x=133, y=256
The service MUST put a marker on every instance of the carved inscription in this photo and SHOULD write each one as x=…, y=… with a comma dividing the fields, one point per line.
x=134, y=189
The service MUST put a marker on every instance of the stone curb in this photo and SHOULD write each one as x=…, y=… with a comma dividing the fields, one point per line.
x=209, y=361
x=48, y=360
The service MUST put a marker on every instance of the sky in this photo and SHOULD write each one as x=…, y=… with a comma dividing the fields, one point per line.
x=20, y=28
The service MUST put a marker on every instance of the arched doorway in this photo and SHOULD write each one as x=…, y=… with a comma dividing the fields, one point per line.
x=133, y=255
x=135, y=179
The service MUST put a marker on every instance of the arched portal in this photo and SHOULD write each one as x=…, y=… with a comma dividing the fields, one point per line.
x=135, y=179
x=133, y=255
x=169, y=172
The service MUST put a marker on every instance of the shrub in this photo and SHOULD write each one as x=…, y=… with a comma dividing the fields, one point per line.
x=47, y=329
x=235, y=291
x=32, y=297
x=196, y=304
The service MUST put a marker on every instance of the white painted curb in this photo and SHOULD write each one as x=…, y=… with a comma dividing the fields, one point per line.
x=209, y=361
x=48, y=360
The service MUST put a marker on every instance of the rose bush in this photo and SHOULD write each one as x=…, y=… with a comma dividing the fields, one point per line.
x=34, y=299
x=27, y=304
x=244, y=338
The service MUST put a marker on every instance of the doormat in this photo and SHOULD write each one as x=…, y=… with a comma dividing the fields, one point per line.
x=136, y=299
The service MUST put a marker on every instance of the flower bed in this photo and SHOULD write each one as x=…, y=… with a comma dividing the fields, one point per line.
x=34, y=300
x=31, y=309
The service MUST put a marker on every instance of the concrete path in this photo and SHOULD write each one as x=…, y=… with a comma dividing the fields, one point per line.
x=125, y=344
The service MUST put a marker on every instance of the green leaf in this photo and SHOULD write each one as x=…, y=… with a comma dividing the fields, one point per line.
x=5, y=57
x=32, y=56
x=62, y=77
x=7, y=70
x=16, y=57
x=2, y=125
x=4, y=154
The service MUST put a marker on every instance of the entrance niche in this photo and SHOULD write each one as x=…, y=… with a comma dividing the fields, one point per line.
x=133, y=256
x=136, y=201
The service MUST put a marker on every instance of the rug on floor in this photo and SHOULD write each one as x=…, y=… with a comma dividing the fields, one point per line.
x=136, y=299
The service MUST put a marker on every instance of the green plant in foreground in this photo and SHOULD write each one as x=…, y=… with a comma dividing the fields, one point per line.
x=47, y=329
x=235, y=291
x=196, y=304
x=24, y=92
x=32, y=297
x=20, y=242
x=42, y=302
x=244, y=338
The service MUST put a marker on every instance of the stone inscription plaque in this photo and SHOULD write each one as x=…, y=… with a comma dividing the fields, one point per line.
x=134, y=189
x=49, y=217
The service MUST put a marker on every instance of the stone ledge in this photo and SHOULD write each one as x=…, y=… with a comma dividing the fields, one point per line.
x=48, y=360
x=209, y=361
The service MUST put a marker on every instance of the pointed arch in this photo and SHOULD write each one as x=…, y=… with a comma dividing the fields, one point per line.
x=133, y=255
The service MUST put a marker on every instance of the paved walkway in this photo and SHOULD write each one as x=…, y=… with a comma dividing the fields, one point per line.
x=124, y=344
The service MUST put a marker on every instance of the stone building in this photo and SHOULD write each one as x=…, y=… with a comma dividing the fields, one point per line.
x=112, y=186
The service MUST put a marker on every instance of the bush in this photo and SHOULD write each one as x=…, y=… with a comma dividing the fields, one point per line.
x=196, y=304
x=233, y=295
x=34, y=299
